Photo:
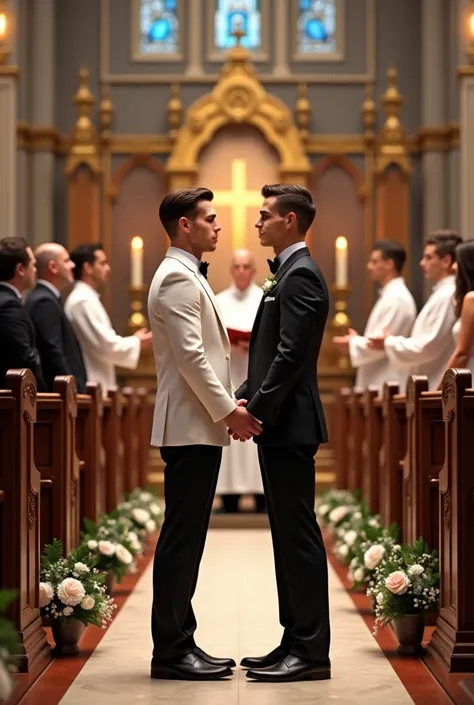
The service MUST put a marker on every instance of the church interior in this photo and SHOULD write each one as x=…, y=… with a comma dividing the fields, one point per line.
x=105, y=107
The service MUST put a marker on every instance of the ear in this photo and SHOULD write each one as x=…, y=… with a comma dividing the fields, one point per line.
x=291, y=219
x=185, y=224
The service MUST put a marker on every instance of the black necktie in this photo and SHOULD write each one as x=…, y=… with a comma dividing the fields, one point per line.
x=203, y=268
x=274, y=264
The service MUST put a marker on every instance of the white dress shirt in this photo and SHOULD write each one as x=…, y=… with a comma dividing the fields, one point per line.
x=13, y=288
x=431, y=343
x=395, y=310
x=288, y=251
x=102, y=348
x=50, y=286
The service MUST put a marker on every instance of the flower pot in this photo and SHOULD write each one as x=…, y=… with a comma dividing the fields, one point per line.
x=409, y=630
x=66, y=634
x=110, y=583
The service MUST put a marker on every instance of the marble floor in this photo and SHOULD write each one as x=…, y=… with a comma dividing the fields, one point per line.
x=237, y=614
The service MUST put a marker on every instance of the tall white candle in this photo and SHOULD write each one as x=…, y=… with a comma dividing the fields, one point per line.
x=341, y=262
x=136, y=259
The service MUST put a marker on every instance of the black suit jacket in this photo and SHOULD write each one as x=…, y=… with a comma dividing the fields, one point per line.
x=57, y=343
x=282, y=385
x=17, y=339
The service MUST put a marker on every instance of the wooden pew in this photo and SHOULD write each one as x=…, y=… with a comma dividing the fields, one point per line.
x=392, y=453
x=56, y=459
x=355, y=438
x=90, y=450
x=130, y=438
x=144, y=425
x=114, y=449
x=20, y=517
x=371, y=470
x=452, y=643
x=423, y=462
x=340, y=436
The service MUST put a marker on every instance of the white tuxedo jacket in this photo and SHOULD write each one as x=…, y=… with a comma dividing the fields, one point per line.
x=192, y=356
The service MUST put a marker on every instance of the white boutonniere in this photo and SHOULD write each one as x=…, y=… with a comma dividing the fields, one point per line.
x=268, y=284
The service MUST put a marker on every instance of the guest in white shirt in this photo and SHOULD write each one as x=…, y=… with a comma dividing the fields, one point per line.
x=103, y=349
x=463, y=331
x=430, y=345
x=394, y=310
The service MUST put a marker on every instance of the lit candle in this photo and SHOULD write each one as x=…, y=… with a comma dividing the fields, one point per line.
x=341, y=261
x=137, y=261
x=3, y=25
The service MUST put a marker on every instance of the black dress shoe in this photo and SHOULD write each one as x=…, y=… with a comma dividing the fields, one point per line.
x=188, y=668
x=264, y=661
x=291, y=668
x=225, y=662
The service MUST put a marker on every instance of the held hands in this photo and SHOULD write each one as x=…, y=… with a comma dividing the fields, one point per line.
x=144, y=336
x=342, y=341
x=242, y=425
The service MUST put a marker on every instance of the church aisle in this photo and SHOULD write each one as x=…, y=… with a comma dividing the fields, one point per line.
x=237, y=613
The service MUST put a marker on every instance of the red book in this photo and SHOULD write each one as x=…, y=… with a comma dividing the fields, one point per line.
x=236, y=335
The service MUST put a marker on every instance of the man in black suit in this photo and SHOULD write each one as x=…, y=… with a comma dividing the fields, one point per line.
x=17, y=334
x=57, y=343
x=282, y=393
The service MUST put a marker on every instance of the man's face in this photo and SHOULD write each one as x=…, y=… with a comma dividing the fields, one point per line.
x=272, y=227
x=62, y=267
x=28, y=272
x=378, y=268
x=203, y=229
x=99, y=270
x=242, y=270
x=434, y=266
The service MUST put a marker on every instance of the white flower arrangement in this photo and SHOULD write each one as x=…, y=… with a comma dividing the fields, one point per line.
x=141, y=508
x=73, y=587
x=9, y=647
x=113, y=543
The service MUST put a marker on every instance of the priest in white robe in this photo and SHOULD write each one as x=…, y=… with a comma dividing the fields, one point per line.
x=102, y=348
x=394, y=310
x=240, y=472
x=427, y=350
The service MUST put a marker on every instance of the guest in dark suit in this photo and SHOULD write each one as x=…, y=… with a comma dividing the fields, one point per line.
x=17, y=334
x=57, y=343
x=282, y=393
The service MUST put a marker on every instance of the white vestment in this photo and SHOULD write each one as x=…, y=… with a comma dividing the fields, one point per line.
x=395, y=310
x=240, y=471
x=431, y=343
x=102, y=348
x=456, y=332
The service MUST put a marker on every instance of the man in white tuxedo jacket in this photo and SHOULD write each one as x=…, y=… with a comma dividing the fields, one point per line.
x=195, y=408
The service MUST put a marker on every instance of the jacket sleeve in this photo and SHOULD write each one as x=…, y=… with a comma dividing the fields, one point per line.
x=241, y=393
x=46, y=316
x=93, y=334
x=178, y=301
x=15, y=330
x=302, y=304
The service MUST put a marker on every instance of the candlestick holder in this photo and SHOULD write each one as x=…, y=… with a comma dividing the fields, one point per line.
x=138, y=318
x=341, y=323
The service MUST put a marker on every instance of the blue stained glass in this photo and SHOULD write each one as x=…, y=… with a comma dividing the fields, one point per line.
x=317, y=24
x=159, y=27
x=245, y=14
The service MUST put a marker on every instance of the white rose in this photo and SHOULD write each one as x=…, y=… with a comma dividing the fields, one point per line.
x=323, y=509
x=146, y=496
x=141, y=516
x=81, y=568
x=150, y=526
x=107, y=548
x=357, y=515
x=6, y=682
x=343, y=550
x=154, y=509
x=379, y=598
x=359, y=575
x=373, y=556
x=92, y=545
x=71, y=591
x=87, y=603
x=337, y=514
x=111, y=522
x=46, y=594
x=134, y=541
x=416, y=569
x=350, y=537
x=123, y=554
x=374, y=523
x=397, y=582
x=67, y=611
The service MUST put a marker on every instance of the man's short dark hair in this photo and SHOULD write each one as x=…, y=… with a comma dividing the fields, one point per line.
x=82, y=254
x=445, y=243
x=292, y=198
x=13, y=251
x=181, y=204
x=389, y=249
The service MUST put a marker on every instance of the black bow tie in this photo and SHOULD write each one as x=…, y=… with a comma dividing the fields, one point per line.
x=203, y=268
x=274, y=264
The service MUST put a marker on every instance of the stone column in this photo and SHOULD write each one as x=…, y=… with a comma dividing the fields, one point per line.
x=196, y=30
x=280, y=67
x=466, y=125
x=42, y=118
x=434, y=114
x=8, y=119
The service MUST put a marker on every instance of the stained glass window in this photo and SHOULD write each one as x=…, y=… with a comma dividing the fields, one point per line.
x=317, y=27
x=159, y=27
x=243, y=14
